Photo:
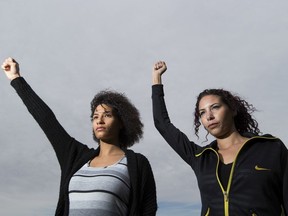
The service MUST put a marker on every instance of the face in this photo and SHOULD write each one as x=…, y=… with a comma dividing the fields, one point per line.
x=216, y=117
x=106, y=125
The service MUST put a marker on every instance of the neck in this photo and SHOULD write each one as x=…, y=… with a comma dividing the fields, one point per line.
x=109, y=149
x=233, y=139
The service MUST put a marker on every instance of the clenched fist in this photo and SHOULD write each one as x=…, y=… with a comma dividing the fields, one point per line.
x=11, y=68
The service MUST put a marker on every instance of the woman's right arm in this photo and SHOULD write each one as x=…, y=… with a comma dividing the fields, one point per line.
x=173, y=136
x=58, y=137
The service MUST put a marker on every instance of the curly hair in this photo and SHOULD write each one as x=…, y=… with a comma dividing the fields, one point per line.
x=128, y=114
x=244, y=122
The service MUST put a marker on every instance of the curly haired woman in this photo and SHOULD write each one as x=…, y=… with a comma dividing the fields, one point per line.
x=110, y=180
x=240, y=172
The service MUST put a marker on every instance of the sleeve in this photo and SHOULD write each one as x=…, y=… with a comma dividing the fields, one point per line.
x=56, y=134
x=148, y=206
x=173, y=136
x=284, y=159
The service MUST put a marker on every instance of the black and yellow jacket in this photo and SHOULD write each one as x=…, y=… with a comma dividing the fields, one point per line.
x=259, y=175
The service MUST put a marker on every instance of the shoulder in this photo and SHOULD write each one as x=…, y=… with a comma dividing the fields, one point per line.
x=268, y=137
x=137, y=156
x=263, y=137
x=137, y=159
x=268, y=140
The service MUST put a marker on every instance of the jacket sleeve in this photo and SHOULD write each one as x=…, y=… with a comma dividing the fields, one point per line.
x=173, y=136
x=58, y=137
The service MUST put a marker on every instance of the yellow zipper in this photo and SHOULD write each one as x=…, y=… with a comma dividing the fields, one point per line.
x=225, y=193
x=226, y=204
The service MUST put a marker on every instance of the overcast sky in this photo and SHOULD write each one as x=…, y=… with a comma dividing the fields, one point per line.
x=70, y=50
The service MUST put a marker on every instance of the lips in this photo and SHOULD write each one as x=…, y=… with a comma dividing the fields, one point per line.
x=212, y=125
x=100, y=128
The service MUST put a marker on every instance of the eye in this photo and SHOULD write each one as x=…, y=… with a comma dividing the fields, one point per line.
x=108, y=115
x=201, y=113
x=216, y=106
x=95, y=117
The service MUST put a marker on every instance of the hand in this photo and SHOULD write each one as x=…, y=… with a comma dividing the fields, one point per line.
x=11, y=68
x=158, y=69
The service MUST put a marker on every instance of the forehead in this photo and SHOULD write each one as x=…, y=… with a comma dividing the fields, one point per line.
x=103, y=108
x=209, y=100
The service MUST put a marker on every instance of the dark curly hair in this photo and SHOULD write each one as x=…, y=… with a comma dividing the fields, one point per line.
x=128, y=114
x=244, y=122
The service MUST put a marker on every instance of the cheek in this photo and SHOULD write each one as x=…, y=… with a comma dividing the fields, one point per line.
x=115, y=127
x=202, y=120
x=93, y=124
x=203, y=123
x=228, y=117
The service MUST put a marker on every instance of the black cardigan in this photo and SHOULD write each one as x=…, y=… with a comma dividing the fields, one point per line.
x=72, y=155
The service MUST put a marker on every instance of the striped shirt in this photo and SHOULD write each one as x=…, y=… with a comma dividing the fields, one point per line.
x=100, y=191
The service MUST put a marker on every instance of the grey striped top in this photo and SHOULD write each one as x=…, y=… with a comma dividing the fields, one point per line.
x=100, y=191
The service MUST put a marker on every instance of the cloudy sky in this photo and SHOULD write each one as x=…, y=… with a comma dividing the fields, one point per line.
x=69, y=50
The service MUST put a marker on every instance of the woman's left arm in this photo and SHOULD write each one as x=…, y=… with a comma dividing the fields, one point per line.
x=148, y=189
x=284, y=160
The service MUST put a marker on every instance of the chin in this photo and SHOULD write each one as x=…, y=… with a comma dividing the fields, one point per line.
x=221, y=136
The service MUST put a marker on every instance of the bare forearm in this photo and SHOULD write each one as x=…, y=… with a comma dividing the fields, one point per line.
x=156, y=79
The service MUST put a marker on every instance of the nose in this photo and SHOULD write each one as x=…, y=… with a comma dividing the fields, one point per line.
x=100, y=120
x=209, y=116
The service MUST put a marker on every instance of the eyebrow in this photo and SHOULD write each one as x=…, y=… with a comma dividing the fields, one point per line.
x=95, y=113
x=218, y=103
